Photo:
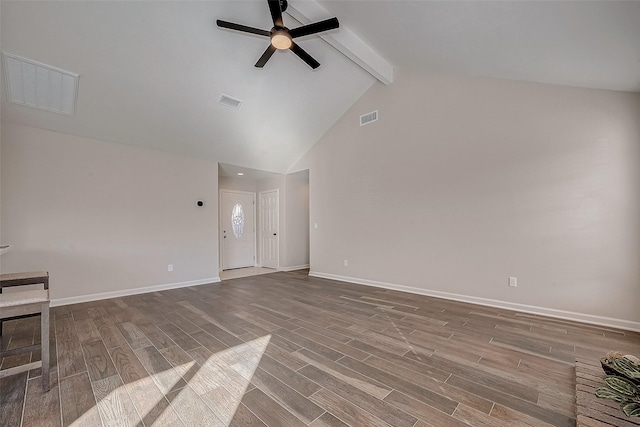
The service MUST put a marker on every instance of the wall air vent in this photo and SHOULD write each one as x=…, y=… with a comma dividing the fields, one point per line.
x=229, y=101
x=41, y=86
x=368, y=118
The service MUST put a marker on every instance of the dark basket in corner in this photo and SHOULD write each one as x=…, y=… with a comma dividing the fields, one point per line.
x=607, y=367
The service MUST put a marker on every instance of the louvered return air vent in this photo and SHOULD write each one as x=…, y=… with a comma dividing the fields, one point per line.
x=229, y=101
x=368, y=118
x=41, y=86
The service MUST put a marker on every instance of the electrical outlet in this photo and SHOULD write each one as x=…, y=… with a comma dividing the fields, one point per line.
x=346, y=263
x=513, y=282
x=315, y=225
x=170, y=267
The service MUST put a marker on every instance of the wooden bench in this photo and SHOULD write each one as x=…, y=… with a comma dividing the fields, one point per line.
x=17, y=304
x=23, y=279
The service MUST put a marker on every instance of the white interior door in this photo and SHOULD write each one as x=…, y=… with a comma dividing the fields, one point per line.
x=269, y=228
x=237, y=229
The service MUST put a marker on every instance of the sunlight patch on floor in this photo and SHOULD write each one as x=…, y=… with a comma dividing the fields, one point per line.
x=220, y=382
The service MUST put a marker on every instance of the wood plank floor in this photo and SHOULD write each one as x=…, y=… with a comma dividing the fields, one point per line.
x=285, y=349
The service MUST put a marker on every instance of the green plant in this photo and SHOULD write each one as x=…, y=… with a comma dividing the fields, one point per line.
x=624, y=385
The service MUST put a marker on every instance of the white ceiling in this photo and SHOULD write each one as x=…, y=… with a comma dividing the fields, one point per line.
x=151, y=72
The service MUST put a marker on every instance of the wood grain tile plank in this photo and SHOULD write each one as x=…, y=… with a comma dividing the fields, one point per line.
x=222, y=403
x=243, y=417
x=503, y=398
x=134, y=335
x=291, y=378
x=428, y=415
x=158, y=338
x=269, y=411
x=221, y=335
x=185, y=325
x=309, y=344
x=42, y=408
x=327, y=420
x=209, y=375
x=98, y=361
x=78, y=402
x=437, y=386
x=515, y=418
x=110, y=334
x=381, y=409
x=114, y=404
x=297, y=404
x=163, y=374
x=511, y=383
x=439, y=401
x=70, y=357
x=401, y=361
x=127, y=364
x=192, y=410
x=210, y=342
x=318, y=328
x=151, y=403
x=350, y=376
x=332, y=344
x=346, y=411
x=474, y=417
x=180, y=337
x=87, y=330
x=283, y=356
x=13, y=392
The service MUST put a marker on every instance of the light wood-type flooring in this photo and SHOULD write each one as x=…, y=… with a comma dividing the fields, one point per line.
x=285, y=349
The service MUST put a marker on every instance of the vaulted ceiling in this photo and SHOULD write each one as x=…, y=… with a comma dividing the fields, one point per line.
x=151, y=72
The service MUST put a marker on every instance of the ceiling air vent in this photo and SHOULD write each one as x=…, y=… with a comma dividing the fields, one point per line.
x=368, y=118
x=37, y=85
x=229, y=101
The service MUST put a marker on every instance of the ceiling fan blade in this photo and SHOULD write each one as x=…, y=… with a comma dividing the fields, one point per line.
x=304, y=55
x=243, y=28
x=276, y=12
x=265, y=56
x=316, y=27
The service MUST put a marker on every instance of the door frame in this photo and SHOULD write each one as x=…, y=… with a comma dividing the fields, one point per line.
x=277, y=191
x=220, y=233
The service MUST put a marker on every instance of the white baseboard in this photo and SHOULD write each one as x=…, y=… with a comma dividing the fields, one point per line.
x=532, y=309
x=294, y=268
x=115, y=294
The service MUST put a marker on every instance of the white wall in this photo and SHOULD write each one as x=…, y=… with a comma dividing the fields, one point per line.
x=237, y=184
x=464, y=182
x=297, y=214
x=104, y=217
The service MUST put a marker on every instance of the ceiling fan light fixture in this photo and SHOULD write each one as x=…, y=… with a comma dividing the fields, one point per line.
x=280, y=39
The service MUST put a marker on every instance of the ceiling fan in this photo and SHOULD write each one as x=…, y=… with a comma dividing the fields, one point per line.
x=282, y=37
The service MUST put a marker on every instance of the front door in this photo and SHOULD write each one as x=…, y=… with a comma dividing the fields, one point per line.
x=237, y=229
x=269, y=228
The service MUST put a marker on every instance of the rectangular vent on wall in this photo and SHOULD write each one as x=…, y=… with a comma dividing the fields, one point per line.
x=368, y=118
x=229, y=101
x=38, y=85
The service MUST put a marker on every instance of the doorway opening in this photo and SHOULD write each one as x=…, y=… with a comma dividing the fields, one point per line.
x=281, y=215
